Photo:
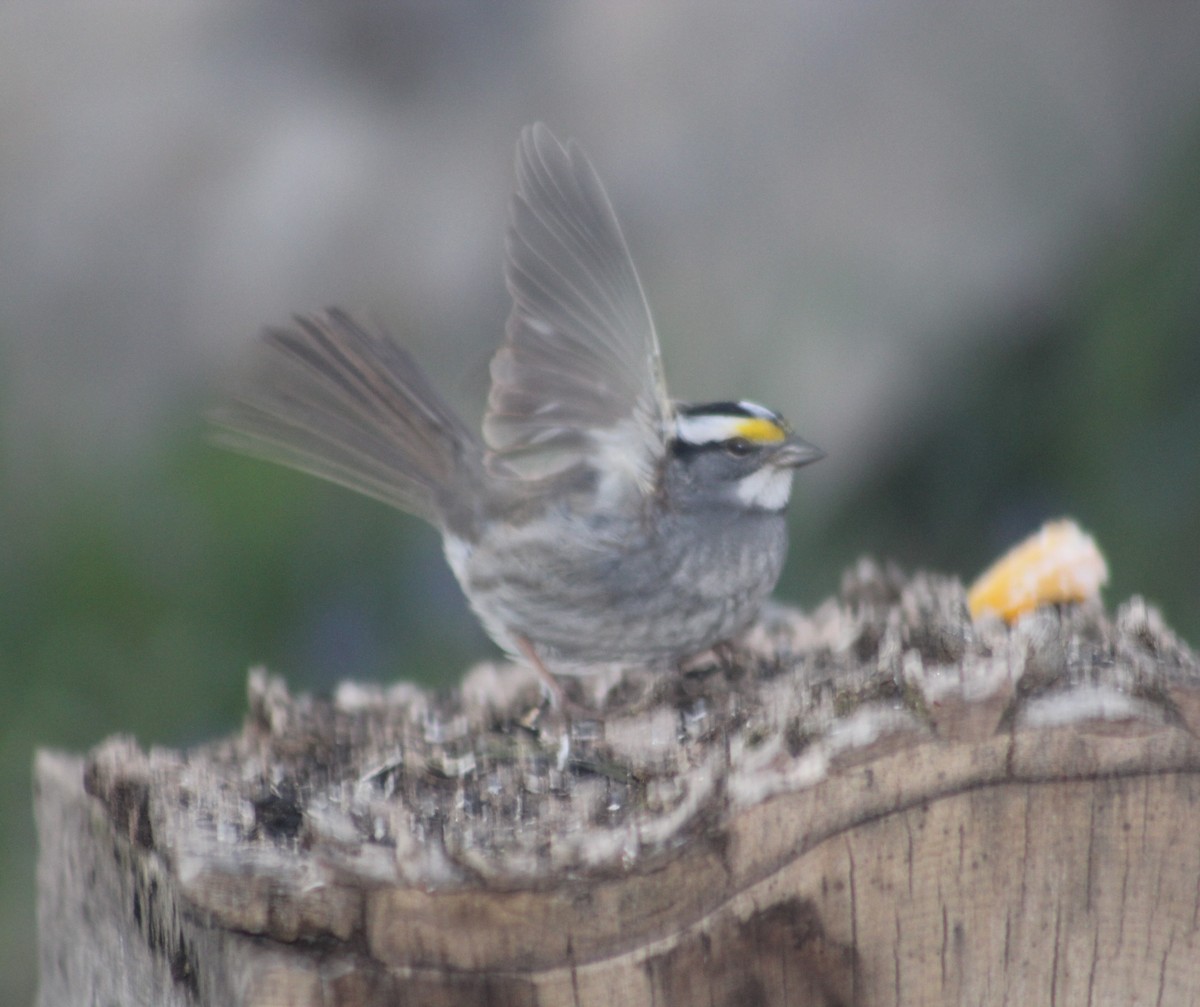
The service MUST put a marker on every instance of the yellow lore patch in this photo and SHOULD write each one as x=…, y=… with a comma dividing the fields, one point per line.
x=759, y=431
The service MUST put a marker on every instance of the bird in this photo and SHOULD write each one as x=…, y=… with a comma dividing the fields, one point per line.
x=594, y=521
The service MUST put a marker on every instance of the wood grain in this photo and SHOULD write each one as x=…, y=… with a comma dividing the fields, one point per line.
x=879, y=802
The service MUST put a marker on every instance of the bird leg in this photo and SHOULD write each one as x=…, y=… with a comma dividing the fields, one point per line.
x=551, y=685
x=559, y=701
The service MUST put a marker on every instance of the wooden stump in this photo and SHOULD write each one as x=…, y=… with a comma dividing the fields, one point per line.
x=877, y=803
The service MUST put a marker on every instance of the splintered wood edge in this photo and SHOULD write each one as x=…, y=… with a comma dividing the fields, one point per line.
x=584, y=922
x=1022, y=715
x=826, y=886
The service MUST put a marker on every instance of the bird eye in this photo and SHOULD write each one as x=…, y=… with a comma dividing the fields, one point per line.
x=738, y=446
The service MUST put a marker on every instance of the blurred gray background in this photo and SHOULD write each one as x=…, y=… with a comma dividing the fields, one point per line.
x=957, y=244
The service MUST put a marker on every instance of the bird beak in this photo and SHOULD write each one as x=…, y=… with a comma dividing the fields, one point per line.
x=795, y=452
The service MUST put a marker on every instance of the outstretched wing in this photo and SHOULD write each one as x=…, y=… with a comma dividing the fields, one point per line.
x=579, y=378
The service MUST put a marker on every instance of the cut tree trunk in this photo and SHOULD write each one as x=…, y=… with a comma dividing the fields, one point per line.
x=878, y=803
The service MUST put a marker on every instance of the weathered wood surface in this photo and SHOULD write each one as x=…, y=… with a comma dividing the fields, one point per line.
x=877, y=803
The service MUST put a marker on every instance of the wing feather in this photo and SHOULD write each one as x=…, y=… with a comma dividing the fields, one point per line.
x=579, y=378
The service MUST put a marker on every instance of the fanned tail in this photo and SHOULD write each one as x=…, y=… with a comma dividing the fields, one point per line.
x=339, y=399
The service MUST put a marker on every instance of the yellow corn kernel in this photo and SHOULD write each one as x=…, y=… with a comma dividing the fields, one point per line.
x=1059, y=563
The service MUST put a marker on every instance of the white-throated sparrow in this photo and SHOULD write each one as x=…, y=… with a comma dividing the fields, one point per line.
x=595, y=521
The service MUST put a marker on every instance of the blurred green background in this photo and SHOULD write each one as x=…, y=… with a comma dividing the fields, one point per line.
x=959, y=249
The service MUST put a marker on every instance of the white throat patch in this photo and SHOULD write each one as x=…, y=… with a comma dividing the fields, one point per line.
x=767, y=488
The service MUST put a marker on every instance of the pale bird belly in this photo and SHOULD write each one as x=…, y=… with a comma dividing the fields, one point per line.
x=636, y=599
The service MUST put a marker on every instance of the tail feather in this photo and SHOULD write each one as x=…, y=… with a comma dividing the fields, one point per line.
x=338, y=399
